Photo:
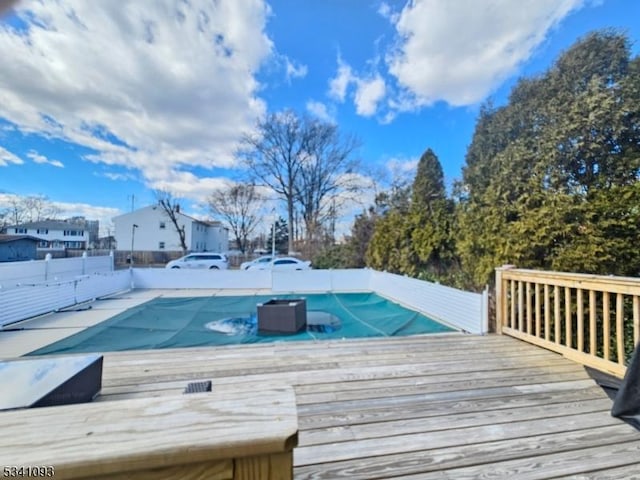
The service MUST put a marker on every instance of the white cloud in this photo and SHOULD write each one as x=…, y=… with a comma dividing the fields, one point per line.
x=368, y=93
x=294, y=70
x=41, y=159
x=385, y=11
x=369, y=90
x=91, y=212
x=338, y=84
x=6, y=158
x=461, y=51
x=123, y=177
x=183, y=184
x=320, y=110
x=142, y=83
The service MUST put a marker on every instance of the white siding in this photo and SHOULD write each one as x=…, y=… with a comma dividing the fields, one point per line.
x=217, y=239
x=149, y=233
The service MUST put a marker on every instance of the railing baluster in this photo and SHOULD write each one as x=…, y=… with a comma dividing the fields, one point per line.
x=547, y=313
x=520, y=306
x=636, y=319
x=620, y=328
x=606, y=327
x=556, y=313
x=593, y=334
x=513, y=304
x=537, y=294
x=567, y=317
x=529, y=309
x=580, y=314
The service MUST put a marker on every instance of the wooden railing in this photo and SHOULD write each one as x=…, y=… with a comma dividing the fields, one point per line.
x=592, y=319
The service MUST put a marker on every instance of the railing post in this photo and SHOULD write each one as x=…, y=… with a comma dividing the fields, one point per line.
x=501, y=298
x=84, y=262
x=112, y=260
x=47, y=259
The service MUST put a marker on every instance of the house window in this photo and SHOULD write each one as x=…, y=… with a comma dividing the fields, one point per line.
x=20, y=230
x=43, y=244
x=161, y=245
x=43, y=231
x=163, y=225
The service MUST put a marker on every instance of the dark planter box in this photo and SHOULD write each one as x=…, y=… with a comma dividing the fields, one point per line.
x=45, y=381
x=282, y=316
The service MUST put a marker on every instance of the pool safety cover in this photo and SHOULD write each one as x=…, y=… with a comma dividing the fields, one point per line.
x=223, y=320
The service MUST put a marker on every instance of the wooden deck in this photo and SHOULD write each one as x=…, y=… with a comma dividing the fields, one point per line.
x=446, y=407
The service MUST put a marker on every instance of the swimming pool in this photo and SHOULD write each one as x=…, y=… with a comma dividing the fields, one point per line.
x=168, y=322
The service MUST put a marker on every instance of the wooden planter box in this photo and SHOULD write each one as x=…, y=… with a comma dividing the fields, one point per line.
x=282, y=316
x=229, y=434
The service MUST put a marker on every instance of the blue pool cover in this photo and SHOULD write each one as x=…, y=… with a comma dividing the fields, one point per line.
x=222, y=320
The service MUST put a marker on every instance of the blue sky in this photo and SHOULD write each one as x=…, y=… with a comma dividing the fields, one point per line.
x=101, y=101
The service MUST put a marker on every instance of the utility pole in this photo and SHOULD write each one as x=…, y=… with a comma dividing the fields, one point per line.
x=133, y=234
x=273, y=235
x=133, y=201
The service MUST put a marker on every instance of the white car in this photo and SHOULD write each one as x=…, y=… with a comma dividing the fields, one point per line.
x=282, y=263
x=256, y=261
x=212, y=261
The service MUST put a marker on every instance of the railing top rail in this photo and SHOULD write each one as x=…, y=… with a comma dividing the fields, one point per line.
x=627, y=285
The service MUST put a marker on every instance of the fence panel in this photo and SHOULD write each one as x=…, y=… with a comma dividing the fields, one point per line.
x=463, y=310
x=183, y=278
x=13, y=274
x=28, y=301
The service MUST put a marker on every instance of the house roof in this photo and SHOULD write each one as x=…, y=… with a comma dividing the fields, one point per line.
x=14, y=238
x=48, y=224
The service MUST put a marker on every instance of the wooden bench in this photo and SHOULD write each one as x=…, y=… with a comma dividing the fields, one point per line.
x=226, y=434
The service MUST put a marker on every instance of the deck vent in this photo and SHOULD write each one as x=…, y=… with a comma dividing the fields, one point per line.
x=198, y=387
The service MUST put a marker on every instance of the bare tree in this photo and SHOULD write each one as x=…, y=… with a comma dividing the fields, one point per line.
x=273, y=156
x=239, y=205
x=303, y=161
x=171, y=208
x=326, y=178
x=33, y=208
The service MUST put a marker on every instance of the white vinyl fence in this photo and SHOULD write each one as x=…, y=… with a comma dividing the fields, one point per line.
x=32, y=288
x=71, y=281
x=14, y=274
x=467, y=311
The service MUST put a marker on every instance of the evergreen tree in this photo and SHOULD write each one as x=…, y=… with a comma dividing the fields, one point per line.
x=416, y=240
x=551, y=178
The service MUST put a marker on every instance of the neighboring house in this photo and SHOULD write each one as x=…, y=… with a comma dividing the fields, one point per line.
x=106, y=243
x=53, y=235
x=91, y=226
x=14, y=248
x=156, y=232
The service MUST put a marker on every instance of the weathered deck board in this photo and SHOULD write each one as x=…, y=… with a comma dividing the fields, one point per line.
x=444, y=406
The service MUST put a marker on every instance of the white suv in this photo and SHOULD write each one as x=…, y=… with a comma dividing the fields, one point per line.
x=212, y=261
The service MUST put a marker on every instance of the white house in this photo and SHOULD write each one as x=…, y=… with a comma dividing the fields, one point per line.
x=53, y=235
x=151, y=229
